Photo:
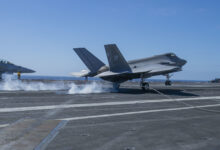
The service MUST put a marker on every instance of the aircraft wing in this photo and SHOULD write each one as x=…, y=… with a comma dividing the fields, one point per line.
x=147, y=70
x=155, y=68
x=164, y=68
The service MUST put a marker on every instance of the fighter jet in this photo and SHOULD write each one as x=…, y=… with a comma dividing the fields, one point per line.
x=120, y=70
x=10, y=68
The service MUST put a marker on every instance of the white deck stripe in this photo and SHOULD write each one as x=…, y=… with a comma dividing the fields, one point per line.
x=32, y=108
x=4, y=125
x=136, y=112
x=129, y=113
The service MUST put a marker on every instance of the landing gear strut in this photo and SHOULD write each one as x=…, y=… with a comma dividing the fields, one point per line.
x=116, y=86
x=168, y=82
x=144, y=85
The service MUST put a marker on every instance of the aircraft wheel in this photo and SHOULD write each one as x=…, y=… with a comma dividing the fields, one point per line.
x=168, y=83
x=145, y=86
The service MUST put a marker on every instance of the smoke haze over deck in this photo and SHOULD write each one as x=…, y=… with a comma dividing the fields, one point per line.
x=41, y=34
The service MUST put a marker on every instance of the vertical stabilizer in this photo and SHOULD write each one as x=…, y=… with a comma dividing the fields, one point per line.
x=91, y=61
x=117, y=62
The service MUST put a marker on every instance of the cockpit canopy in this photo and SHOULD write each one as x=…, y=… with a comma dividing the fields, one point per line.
x=171, y=55
x=5, y=62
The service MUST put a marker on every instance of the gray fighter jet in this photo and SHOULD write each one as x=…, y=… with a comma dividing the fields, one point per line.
x=9, y=68
x=120, y=70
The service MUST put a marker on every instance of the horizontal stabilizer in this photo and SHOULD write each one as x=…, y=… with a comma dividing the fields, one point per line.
x=91, y=61
x=83, y=73
x=117, y=62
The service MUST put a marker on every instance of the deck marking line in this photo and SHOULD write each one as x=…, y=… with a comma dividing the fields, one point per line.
x=50, y=136
x=33, y=108
x=137, y=112
x=129, y=113
x=4, y=125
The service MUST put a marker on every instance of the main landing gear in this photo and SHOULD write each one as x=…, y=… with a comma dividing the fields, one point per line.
x=168, y=82
x=116, y=87
x=144, y=85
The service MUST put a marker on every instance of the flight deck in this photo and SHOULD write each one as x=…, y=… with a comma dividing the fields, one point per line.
x=183, y=116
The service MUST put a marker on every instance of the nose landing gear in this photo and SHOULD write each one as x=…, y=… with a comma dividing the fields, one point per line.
x=144, y=85
x=168, y=82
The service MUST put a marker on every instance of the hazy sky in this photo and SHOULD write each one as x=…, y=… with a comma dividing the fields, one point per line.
x=40, y=34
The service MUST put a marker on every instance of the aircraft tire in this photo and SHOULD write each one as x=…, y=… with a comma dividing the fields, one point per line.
x=168, y=83
x=145, y=86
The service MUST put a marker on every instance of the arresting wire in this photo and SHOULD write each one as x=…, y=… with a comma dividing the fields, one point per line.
x=184, y=103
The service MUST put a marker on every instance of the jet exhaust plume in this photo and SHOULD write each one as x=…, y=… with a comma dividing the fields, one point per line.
x=10, y=84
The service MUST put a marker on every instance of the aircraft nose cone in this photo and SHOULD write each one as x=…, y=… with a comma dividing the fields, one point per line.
x=30, y=71
x=183, y=62
x=26, y=70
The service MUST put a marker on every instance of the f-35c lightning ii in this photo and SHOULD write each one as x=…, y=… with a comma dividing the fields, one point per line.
x=120, y=70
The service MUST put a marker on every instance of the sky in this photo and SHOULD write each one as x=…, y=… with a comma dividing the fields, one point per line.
x=40, y=34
